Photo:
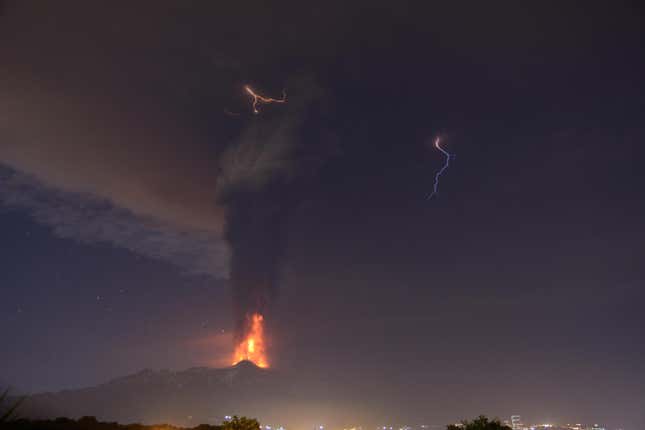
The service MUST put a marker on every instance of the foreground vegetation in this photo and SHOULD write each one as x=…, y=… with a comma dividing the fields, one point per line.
x=91, y=423
x=237, y=423
x=480, y=423
x=8, y=410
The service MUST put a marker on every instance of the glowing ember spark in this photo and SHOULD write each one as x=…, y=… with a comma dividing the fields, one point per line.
x=253, y=346
x=261, y=100
x=445, y=166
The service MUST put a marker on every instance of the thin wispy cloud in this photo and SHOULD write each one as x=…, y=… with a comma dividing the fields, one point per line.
x=89, y=219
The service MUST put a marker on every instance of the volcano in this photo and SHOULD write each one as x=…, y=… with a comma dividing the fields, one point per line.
x=193, y=396
x=252, y=346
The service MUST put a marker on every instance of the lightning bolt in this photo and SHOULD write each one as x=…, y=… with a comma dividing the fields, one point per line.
x=437, y=144
x=261, y=100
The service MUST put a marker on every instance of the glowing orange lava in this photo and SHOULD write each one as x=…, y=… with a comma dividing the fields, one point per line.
x=253, y=346
x=258, y=99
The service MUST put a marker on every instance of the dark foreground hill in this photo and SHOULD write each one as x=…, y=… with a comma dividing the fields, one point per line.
x=187, y=398
x=90, y=423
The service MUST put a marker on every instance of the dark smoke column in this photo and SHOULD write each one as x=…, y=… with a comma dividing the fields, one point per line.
x=263, y=173
x=256, y=232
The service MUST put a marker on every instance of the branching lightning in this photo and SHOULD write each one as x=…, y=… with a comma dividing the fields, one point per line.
x=437, y=144
x=261, y=100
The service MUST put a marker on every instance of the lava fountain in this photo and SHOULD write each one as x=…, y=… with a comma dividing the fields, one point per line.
x=252, y=346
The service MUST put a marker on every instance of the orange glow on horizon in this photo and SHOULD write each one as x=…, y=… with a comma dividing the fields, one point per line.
x=259, y=99
x=253, y=346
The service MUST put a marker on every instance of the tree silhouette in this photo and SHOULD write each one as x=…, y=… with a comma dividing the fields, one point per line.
x=480, y=423
x=241, y=423
x=8, y=411
x=91, y=423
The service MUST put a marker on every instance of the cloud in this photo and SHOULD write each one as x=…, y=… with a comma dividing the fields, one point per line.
x=262, y=152
x=88, y=218
x=99, y=171
x=134, y=158
x=108, y=138
x=106, y=172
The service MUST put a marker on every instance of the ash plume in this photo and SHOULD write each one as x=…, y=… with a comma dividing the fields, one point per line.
x=261, y=182
x=155, y=171
x=256, y=233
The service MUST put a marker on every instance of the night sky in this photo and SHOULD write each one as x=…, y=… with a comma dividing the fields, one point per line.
x=131, y=164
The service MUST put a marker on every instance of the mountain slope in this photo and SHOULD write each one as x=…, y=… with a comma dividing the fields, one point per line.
x=196, y=395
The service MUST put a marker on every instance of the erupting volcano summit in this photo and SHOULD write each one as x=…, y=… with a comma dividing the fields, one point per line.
x=252, y=347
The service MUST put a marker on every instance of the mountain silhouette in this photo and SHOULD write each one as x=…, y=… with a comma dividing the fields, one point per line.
x=193, y=396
